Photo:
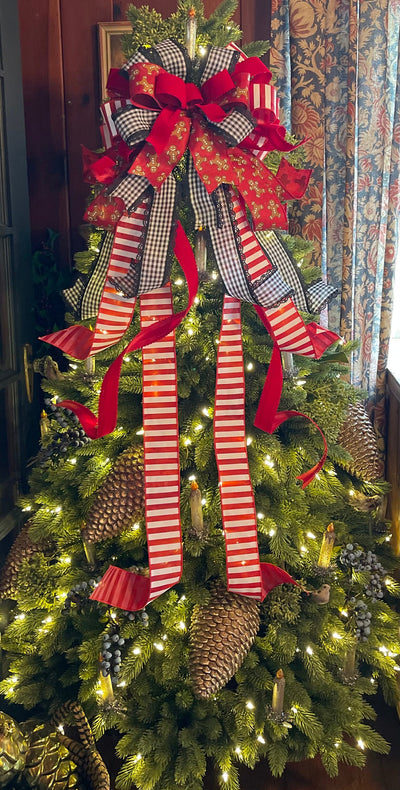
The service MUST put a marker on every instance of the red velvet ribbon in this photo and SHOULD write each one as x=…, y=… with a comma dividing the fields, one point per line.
x=106, y=421
x=268, y=418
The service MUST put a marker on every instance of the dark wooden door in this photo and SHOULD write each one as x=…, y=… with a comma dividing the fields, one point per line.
x=16, y=317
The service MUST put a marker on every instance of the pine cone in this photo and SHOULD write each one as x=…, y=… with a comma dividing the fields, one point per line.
x=13, y=746
x=119, y=500
x=221, y=634
x=358, y=437
x=22, y=548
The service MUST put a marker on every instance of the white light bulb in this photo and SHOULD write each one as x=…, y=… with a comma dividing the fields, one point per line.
x=309, y=650
x=249, y=441
x=260, y=739
x=238, y=750
x=250, y=366
x=249, y=705
x=179, y=281
x=72, y=461
x=158, y=646
x=311, y=535
x=336, y=635
x=225, y=775
x=186, y=442
x=361, y=744
x=136, y=651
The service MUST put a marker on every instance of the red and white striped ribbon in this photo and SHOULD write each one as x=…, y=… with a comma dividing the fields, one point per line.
x=116, y=310
x=256, y=261
x=288, y=329
x=161, y=467
x=108, y=129
x=236, y=491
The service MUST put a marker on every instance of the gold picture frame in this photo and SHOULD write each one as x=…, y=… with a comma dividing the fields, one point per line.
x=111, y=55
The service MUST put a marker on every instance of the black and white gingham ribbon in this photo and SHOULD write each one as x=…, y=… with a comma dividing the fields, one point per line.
x=235, y=127
x=85, y=295
x=218, y=59
x=318, y=295
x=131, y=190
x=133, y=124
x=226, y=252
x=173, y=58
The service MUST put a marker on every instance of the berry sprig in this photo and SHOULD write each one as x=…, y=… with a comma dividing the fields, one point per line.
x=70, y=435
x=365, y=562
x=79, y=593
x=362, y=619
x=111, y=653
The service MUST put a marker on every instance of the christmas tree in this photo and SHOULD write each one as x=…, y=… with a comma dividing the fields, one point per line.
x=202, y=672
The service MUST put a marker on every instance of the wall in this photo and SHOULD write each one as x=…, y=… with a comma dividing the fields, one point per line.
x=61, y=95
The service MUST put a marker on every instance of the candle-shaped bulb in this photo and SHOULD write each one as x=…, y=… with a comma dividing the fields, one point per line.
x=349, y=667
x=90, y=365
x=200, y=251
x=191, y=30
x=328, y=542
x=278, y=692
x=287, y=364
x=106, y=689
x=44, y=424
x=196, y=510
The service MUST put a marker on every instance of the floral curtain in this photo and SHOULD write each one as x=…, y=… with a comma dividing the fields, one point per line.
x=337, y=65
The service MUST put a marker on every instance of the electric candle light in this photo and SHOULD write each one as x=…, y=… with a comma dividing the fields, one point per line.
x=278, y=692
x=328, y=542
x=196, y=509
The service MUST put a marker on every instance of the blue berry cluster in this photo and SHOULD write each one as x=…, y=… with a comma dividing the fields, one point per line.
x=111, y=653
x=362, y=619
x=141, y=616
x=79, y=594
x=365, y=561
x=70, y=435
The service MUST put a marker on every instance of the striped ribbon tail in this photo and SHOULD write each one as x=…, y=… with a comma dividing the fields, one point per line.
x=122, y=588
x=245, y=574
x=116, y=310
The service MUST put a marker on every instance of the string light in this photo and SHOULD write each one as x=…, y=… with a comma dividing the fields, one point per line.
x=72, y=461
x=47, y=620
x=294, y=709
x=192, y=478
x=182, y=625
x=60, y=728
x=158, y=646
x=58, y=509
x=179, y=281
x=249, y=705
x=27, y=509
x=199, y=427
x=311, y=535
x=309, y=650
x=260, y=739
x=336, y=635
x=186, y=442
x=225, y=776
x=122, y=684
x=140, y=432
x=136, y=526
x=74, y=367
x=66, y=560
x=127, y=359
x=203, y=501
x=268, y=462
x=205, y=411
x=361, y=744
x=182, y=598
x=272, y=532
x=337, y=744
x=20, y=616
x=190, y=332
x=250, y=366
x=214, y=275
x=300, y=382
x=249, y=441
x=304, y=549
x=136, y=651
x=260, y=515
x=351, y=492
x=238, y=750
x=344, y=613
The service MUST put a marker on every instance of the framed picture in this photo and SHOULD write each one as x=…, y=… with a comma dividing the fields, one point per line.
x=110, y=49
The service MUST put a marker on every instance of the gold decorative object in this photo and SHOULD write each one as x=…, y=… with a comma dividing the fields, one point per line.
x=221, y=634
x=196, y=510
